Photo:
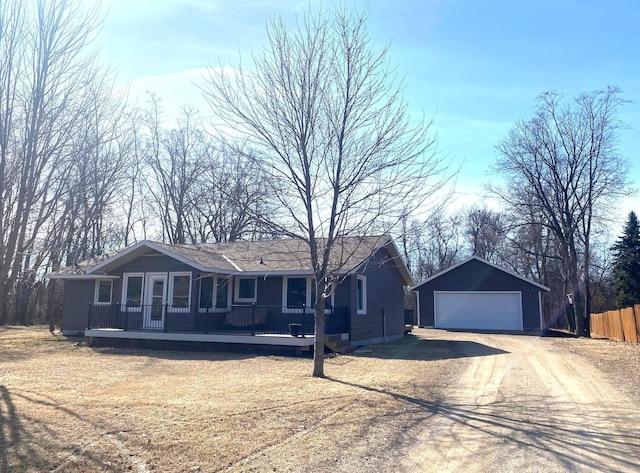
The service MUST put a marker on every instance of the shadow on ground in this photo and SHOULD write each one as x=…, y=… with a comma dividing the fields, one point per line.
x=198, y=351
x=21, y=448
x=548, y=332
x=536, y=429
x=416, y=348
x=30, y=443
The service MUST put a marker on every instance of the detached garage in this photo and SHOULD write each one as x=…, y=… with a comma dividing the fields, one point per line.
x=478, y=295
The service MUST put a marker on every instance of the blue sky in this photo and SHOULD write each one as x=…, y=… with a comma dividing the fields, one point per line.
x=475, y=66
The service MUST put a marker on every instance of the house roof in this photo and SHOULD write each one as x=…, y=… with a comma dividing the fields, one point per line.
x=477, y=258
x=247, y=257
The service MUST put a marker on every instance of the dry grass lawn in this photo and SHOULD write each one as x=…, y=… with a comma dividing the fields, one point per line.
x=67, y=407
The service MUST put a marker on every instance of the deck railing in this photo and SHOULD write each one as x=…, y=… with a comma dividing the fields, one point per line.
x=246, y=319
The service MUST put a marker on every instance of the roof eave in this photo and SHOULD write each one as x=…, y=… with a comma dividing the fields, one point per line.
x=388, y=244
x=400, y=264
x=150, y=245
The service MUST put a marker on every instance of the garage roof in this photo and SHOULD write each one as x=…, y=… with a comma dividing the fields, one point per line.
x=511, y=273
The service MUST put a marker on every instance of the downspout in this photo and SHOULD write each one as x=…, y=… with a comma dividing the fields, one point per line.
x=384, y=324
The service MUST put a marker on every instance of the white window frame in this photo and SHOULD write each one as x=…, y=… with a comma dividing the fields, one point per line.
x=236, y=289
x=308, y=302
x=97, y=292
x=213, y=308
x=125, y=283
x=215, y=293
x=363, y=310
x=307, y=298
x=170, y=291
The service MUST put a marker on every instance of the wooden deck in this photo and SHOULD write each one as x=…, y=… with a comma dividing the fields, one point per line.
x=247, y=339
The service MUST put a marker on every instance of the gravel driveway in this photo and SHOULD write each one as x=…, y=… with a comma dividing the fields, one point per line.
x=526, y=404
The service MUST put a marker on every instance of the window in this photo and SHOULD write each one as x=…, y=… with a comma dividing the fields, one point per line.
x=132, y=289
x=180, y=290
x=103, y=291
x=362, y=295
x=206, y=292
x=298, y=292
x=245, y=290
x=222, y=293
x=210, y=299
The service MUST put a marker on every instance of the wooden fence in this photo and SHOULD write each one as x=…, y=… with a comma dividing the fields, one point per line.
x=622, y=325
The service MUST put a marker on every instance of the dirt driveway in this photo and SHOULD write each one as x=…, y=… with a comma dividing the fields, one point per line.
x=526, y=404
x=436, y=401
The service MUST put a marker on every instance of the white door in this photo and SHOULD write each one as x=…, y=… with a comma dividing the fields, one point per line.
x=155, y=299
x=478, y=310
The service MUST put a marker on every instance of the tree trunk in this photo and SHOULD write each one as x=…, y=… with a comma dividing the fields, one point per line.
x=318, y=346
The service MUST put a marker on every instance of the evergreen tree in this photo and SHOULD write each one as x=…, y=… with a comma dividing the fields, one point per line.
x=626, y=265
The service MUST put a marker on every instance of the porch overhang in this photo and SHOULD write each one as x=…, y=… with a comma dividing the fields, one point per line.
x=257, y=339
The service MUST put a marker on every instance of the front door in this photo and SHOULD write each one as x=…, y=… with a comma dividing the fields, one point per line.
x=155, y=300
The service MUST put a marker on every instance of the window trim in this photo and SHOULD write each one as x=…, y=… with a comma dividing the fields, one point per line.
x=170, y=289
x=307, y=294
x=125, y=283
x=214, y=295
x=308, y=302
x=363, y=310
x=236, y=289
x=202, y=308
x=96, y=292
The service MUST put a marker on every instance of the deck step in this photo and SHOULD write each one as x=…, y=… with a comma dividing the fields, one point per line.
x=339, y=343
x=336, y=337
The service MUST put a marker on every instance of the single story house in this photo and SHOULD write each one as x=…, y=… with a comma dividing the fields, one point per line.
x=241, y=292
x=478, y=295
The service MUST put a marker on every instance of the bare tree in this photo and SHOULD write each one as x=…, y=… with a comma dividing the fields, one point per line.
x=230, y=194
x=485, y=230
x=133, y=199
x=44, y=70
x=324, y=112
x=176, y=157
x=433, y=245
x=563, y=170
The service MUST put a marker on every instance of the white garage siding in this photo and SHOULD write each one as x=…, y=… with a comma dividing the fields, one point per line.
x=478, y=310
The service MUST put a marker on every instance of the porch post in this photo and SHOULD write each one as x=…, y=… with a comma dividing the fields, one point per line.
x=126, y=317
x=90, y=317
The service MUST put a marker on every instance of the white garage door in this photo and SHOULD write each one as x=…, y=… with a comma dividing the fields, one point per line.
x=478, y=310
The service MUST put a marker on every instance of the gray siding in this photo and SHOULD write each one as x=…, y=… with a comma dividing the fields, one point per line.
x=154, y=263
x=385, y=301
x=478, y=276
x=342, y=294
x=78, y=294
x=384, y=319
